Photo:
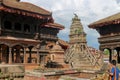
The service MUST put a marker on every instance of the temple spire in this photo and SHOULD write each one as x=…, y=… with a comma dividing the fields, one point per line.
x=79, y=55
x=76, y=29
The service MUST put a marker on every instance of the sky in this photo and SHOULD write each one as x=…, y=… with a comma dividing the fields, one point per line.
x=87, y=10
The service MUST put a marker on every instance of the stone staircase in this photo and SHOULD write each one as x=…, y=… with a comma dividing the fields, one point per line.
x=83, y=59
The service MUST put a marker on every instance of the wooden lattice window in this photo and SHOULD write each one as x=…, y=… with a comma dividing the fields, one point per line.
x=26, y=28
x=7, y=25
x=17, y=26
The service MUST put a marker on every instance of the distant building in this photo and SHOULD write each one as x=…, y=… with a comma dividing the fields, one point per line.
x=27, y=33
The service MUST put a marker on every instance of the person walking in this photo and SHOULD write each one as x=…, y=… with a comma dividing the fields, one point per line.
x=114, y=71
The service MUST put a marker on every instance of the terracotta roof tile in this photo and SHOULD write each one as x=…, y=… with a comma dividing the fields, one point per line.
x=62, y=42
x=25, y=6
x=109, y=20
x=54, y=25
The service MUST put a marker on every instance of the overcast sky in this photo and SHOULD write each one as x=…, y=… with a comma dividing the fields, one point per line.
x=87, y=10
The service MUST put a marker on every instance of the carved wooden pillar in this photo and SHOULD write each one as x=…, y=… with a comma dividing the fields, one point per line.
x=113, y=54
x=24, y=54
x=17, y=56
x=0, y=54
x=10, y=55
x=110, y=55
x=0, y=23
x=118, y=55
x=30, y=55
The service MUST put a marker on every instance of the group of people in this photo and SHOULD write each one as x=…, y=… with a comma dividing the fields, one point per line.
x=113, y=71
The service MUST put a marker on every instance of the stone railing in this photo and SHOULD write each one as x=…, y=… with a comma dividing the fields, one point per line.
x=93, y=58
x=69, y=54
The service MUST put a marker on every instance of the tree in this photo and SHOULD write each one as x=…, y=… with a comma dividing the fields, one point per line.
x=106, y=52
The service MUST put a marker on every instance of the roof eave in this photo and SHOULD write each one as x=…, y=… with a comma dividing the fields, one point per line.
x=117, y=21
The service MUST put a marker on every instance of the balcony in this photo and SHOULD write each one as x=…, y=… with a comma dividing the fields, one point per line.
x=46, y=36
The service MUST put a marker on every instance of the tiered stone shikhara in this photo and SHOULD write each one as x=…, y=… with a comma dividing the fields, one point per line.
x=79, y=55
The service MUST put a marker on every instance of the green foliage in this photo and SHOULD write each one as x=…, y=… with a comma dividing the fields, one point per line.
x=106, y=52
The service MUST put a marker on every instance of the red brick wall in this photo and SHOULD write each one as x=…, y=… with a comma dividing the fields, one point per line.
x=34, y=78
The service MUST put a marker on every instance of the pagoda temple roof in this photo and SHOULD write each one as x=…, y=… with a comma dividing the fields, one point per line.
x=25, y=6
x=62, y=42
x=114, y=19
x=54, y=25
x=28, y=9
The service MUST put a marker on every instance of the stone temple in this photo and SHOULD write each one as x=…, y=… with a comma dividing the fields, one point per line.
x=79, y=55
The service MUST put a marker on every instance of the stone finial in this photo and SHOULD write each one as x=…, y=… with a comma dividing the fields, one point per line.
x=76, y=16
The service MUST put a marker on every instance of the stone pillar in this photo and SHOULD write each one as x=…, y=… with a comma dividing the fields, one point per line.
x=24, y=54
x=10, y=55
x=38, y=56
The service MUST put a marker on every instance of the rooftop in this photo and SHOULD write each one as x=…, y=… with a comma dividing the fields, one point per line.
x=16, y=4
x=114, y=19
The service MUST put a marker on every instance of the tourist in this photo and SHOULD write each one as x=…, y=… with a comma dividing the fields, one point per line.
x=114, y=71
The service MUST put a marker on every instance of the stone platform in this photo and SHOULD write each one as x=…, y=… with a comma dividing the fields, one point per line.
x=58, y=74
x=11, y=72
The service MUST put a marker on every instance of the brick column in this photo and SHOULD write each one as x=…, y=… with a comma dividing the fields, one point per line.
x=10, y=55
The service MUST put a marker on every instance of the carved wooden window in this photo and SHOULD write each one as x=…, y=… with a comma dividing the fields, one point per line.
x=35, y=28
x=26, y=28
x=7, y=25
x=17, y=26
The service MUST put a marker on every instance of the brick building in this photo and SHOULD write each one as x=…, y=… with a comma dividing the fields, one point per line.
x=27, y=32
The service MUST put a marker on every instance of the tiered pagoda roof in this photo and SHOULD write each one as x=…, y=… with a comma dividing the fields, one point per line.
x=54, y=25
x=114, y=19
x=24, y=8
x=28, y=9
